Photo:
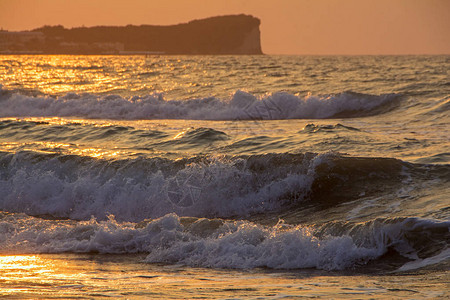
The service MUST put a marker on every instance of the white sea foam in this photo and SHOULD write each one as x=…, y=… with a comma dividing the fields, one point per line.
x=233, y=244
x=218, y=243
x=421, y=263
x=242, y=106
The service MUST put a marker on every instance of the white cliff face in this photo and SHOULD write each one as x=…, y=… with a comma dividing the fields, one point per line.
x=251, y=43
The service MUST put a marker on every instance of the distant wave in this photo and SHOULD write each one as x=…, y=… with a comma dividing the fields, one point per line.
x=312, y=128
x=242, y=106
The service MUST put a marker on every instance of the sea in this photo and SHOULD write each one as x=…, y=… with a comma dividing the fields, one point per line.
x=224, y=177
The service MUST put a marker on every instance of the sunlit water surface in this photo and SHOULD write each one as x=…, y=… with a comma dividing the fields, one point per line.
x=93, y=276
x=224, y=177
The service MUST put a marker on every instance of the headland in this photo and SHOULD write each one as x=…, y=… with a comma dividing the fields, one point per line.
x=232, y=34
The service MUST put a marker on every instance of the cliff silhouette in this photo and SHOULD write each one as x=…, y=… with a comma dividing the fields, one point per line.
x=233, y=34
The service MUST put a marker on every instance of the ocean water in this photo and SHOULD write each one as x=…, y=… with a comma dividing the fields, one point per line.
x=225, y=176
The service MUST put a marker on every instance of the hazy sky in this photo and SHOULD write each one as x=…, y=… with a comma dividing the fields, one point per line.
x=288, y=26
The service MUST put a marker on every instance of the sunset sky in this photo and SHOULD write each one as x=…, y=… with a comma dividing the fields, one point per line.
x=288, y=26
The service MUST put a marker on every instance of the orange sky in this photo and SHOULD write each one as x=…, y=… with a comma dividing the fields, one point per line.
x=288, y=26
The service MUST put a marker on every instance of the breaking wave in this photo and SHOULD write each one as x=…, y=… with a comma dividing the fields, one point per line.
x=241, y=106
x=135, y=189
x=78, y=187
x=219, y=243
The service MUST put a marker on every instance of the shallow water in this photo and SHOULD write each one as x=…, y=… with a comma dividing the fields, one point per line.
x=225, y=176
x=99, y=276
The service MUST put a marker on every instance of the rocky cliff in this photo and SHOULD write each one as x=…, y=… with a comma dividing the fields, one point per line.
x=234, y=34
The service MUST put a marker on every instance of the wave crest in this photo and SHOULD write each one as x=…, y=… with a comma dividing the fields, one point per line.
x=221, y=243
x=79, y=187
x=242, y=106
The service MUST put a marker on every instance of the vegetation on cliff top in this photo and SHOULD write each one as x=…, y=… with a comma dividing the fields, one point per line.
x=234, y=34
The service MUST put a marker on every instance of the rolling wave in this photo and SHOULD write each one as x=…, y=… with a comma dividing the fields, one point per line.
x=241, y=106
x=79, y=187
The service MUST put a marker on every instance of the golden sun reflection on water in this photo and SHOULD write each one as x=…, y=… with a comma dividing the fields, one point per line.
x=58, y=74
x=18, y=262
x=61, y=74
x=46, y=276
x=19, y=273
x=50, y=276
